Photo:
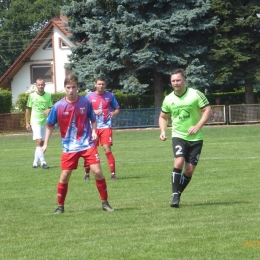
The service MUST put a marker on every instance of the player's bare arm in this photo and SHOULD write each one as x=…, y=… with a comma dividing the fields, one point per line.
x=206, y=115
x=114, y=113
x=49, y=130
x=163, y=120
x=27, y=118
x=94, y=130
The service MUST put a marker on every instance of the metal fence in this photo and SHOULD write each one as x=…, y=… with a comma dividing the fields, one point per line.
x=219, y=115
x=236, y=114
x=12, y=122
x=134, y=118
x=148, y=117
x=241, y=114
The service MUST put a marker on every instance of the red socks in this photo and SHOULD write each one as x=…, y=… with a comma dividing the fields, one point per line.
x=87, y=169
x=102, y=189
x=111, y=161
x=63, y=188
x=61, y=193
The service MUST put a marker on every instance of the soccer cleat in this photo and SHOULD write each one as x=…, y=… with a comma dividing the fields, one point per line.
x=106, y=206
x=86, y=177
x=113, y=177
x=175, y=200
x=35, y=166
x=59, y=210
x=45, y=166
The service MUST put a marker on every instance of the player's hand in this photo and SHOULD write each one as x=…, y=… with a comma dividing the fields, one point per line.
x=44, y=148
x=98, y=112
x=28, y=127
x=193, y=130
x=46, y=112
x=94, y=136
x=163, y=136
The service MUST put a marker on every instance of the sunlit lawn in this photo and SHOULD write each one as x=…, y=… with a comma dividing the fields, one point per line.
x=218, y=218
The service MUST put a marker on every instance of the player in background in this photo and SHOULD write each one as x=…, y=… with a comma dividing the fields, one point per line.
x=39, y=104
x=77, y=123
x=189, y=110
x=105, y=107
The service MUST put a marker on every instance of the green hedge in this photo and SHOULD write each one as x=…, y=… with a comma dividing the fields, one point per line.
x=124, y=100
x=230, y=98
x=5, y=101
x=127, y=101
x=23, y=97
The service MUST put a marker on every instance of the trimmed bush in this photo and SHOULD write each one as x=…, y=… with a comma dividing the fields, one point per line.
x=5, y=101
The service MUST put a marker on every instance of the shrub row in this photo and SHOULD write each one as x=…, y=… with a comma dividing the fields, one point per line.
x=126, y=101
x=5, y=101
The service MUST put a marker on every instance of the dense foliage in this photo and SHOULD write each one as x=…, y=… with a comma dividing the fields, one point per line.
x=236, y=48
x=137, y=44
x=5, y=101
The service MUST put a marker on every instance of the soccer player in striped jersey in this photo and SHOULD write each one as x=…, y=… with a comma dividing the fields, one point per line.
x=189, y=110
x=77, y=123
x=105, y=107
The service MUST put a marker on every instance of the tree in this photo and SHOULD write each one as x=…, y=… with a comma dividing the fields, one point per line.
x=136, y=44
x=20, y=22
x=4, y=5
x=236, y=49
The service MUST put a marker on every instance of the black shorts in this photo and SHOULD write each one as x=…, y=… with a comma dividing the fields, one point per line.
x=190, y=150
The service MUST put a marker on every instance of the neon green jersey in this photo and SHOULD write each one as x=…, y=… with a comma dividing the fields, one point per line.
x=38, y=104
x=185, y=112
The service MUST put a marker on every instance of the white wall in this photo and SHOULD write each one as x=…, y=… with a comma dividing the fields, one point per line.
x=21, y=81
x=61, y=58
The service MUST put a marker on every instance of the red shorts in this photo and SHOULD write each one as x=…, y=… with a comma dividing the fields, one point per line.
x=69, y=161
x=104, y=136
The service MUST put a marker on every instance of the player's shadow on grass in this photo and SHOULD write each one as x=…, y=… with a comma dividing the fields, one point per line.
x=129, y=177
x=228, y=203
x=54, y=167
x=116, y=209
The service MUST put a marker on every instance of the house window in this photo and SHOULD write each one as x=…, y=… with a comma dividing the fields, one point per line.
x=63, y=44
x=48, y=45
x=41, y=71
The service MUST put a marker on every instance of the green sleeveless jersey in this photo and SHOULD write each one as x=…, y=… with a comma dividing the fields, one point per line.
x=185, y=112
x=38, y=104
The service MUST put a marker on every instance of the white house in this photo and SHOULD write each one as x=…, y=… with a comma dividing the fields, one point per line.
x=45, y=57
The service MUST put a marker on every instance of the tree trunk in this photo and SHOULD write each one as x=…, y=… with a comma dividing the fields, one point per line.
x=249, y=99
x=158, y=94
x=158, y=88
x=249, y=93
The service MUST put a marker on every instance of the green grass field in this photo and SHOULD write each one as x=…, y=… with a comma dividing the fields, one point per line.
x=218, y=218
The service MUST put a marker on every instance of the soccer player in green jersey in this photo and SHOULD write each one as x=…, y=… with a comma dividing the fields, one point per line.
x=38, y=107
x=189, y=110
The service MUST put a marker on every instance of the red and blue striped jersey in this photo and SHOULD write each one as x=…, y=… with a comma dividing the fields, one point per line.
x=105, y=102
x=74, y=123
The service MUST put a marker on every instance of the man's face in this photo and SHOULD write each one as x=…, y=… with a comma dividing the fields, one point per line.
x=71, y=89
x=100, y=86
x=177, y=81
x=40, y=85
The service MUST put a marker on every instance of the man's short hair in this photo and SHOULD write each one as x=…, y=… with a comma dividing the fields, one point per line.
x=39, y=79
x=71, y=78
x=178, y=71
x=100, y=79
